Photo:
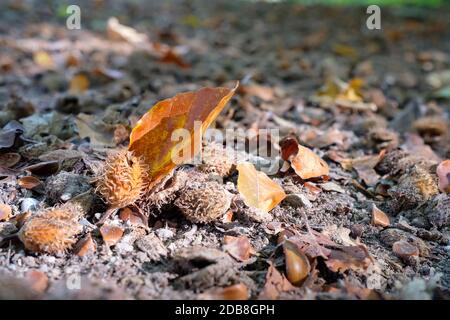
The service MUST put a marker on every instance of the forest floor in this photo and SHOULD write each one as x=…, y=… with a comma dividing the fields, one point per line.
x=374, y=104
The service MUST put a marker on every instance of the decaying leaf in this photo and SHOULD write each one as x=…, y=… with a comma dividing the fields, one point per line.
x=276, y=283
x=111, y=234
x=136, y=219
x=348, y=257
x=119, y=32
x=152, y=137
x=262, y=92
x=98, y=132
x=443, y=173
x=304, y=162
x=238, y=247
x=379, y=218
x=257, y=189
x=235, y=292
x=5, y=212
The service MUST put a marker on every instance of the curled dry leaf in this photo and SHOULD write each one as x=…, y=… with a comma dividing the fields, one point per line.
x=8, y=160
x=235, y=292
x=404, y=249
x=194, y=111
x=379, y=218
x=305, y=162
x=257, y=189
x=238, y=247
x=29, y=182
x=85, y=246
x=111, y=234
x=37, y=281
x=297, y=264
x=276, y=283
x=443, y=173
x=5, y=212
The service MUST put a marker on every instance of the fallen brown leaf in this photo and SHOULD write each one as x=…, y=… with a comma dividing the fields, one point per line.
x=276, y=283
x=238, y=247
x=37, y=281
x=344, y=258
x=151, y=137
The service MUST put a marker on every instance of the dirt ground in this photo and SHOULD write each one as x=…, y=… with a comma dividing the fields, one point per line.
x=299, y=69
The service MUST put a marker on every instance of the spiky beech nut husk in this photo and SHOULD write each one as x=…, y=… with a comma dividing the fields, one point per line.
x=203, y=204
x=123, y=179
x=414, y=187
x=52, y=230
x=216, y=160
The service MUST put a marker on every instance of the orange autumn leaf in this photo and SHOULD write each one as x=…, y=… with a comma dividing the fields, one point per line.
x=304, y=161
x=152, y=140
x=257, y=189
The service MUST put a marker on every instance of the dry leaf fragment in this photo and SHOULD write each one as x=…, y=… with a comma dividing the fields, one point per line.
x=238, y=247
x=111, y=234
x=235, y=292
x=297, y=264
x=305, y=162
x=443, y=173
x=276, y=283
x=29, y=182
x=5, y=212
x=257, y=189
x=404, y=249
x=364, y=166
x=79, y=83
x=8, y=160
x=348, y=257
x=193, y=111
x=85, y=246
x=379, y=218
